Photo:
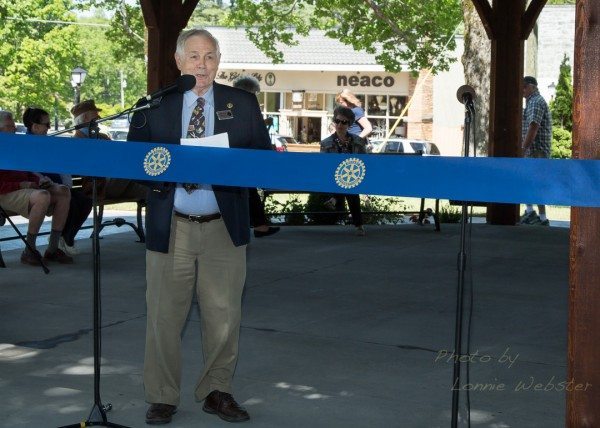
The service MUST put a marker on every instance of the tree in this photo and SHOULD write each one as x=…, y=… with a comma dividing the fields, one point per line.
x=476, y=63
x=562, y=141
x=413, y=34
x=105, y=67
x=562, y=104
x=36, y=56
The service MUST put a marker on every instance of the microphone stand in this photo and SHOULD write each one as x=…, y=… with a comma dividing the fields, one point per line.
x=462, y=262
x=97, y=416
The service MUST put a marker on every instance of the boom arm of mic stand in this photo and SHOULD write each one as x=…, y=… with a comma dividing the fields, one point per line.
x=152, y=104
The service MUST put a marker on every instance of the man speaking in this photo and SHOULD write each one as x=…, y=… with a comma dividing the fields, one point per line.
x=196, y=236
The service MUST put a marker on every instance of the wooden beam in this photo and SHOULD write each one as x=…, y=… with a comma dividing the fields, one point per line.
x=150, y=12
x=584, y=279
x=486, y=15
x=531, y=15
x=188, y=9
x=506, y=95
x=166, y=22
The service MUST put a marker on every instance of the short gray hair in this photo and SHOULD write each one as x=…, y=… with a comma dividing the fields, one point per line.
x=4, y=116
x=247, y=83
x=194, y=32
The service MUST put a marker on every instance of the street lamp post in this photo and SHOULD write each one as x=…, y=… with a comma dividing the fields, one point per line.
x=77, y=77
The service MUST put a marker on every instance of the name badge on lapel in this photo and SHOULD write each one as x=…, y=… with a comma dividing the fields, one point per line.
x=224, y=115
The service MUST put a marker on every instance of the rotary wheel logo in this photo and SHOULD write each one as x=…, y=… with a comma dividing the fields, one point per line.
x=157, y=161
x=350, y=173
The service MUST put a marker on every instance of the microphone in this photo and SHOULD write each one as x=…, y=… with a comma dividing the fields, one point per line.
x=184, y=83
x=465, y=94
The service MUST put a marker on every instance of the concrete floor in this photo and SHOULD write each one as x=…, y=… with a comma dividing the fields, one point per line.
x=337, y=331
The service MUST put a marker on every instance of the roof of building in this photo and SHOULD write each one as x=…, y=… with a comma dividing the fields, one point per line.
x=315, y=51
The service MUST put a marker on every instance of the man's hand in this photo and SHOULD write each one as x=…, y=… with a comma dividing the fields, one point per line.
x=530, y=137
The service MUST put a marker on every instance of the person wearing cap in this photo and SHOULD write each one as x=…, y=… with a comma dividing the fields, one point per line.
x=258, y=219
x=536, y=138
x=33, y=195
x=109, y=188
x=196, y=236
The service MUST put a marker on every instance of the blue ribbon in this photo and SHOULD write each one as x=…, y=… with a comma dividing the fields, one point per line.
x=505, y=180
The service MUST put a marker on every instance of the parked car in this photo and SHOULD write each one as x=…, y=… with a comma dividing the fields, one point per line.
x=280, y=142
x=118, y=134
x=21, y=129
x=405, y=145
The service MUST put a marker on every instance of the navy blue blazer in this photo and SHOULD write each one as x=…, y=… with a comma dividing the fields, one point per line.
x=163, y=125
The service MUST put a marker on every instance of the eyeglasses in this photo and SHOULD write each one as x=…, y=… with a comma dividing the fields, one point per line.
x=340, y=121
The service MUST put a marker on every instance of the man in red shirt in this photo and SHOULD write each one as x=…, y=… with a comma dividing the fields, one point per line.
x=34, y=196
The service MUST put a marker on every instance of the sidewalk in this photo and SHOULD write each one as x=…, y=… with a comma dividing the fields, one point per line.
x=337, y=331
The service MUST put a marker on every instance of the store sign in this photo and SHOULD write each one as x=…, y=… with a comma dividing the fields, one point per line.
x=230, y=76
x=270, y=79
x=365, y=81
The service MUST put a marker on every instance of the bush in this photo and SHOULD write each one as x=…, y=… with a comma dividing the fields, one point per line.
x=561, y=143
x=319, y=213
x=449, y=214
x=386, y=209
x=292, y=209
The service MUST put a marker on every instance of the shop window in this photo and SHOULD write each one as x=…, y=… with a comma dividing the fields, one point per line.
x=287, y=100
x=400, y=130
x=314, y=101
x=362, y=99
x=395, y=105
x=261, y=100
x=377, y=105
x=379, y=128
x=330, y=104
x=273, y=101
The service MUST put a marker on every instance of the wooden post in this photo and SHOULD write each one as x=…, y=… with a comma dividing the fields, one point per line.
x=164, y=20
x=583, y=398
x=507, y=24
x=505, y=97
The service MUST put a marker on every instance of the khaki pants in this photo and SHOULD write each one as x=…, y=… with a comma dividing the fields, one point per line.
x=201, y=257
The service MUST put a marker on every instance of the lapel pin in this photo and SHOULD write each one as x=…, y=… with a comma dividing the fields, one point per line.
x=229, y=105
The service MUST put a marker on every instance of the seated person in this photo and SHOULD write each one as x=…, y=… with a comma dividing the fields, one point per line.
x=110, y=188
x=37, y=122
x=33, y=196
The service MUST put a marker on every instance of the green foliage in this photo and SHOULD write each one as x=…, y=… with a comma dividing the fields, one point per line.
x=103, y=82
x=449, y=214
x=209, y=12
x=405, y=33
x=36, y=58
x=562, y=142
x=561, y=106
x=319, y=212
x=292, y=209
x=561, y=1
x=376, y=210
x=382, y=210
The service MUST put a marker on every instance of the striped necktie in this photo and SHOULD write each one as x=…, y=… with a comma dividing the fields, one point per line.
x=196, y=129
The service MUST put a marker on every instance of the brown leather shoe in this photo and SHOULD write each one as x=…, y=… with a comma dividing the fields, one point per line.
x=223, y=405
x=58, y=256
x=159, y=414
x=28, y=258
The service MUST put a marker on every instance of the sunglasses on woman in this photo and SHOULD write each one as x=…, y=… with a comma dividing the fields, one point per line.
x=340, y=121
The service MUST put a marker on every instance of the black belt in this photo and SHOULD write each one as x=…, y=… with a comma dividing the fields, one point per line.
x=199, y=218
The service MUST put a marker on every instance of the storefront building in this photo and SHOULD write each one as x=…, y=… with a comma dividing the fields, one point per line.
x=299, y=94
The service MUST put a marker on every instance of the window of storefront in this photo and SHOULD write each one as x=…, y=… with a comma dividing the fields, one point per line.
x=381, y=110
